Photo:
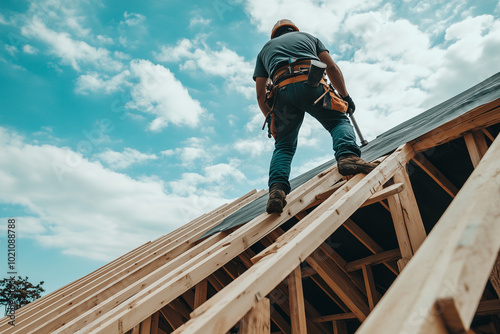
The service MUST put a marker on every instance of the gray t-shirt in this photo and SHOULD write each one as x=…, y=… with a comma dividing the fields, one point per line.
x=275, y=53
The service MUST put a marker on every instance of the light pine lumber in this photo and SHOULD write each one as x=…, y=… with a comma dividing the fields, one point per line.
x=263, y=276
x=390, y=255
x=329, y=292
x=476, y=119
x=49, y=319
x=165, y=285
x=435, y=174
x=371, y=291
x=384, y=193
x=411, y=212
x=296, y=301
x=453, y=263
x=400, y=229
x=340, y=283
x=472, y=147
x=136, y=329
x=173, y=318
x=257, y=320
x=146, y=326
x=200, y=293
x=366, y=240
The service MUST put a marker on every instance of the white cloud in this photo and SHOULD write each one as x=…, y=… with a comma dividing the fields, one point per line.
x=254, y=147
x=133, y=19
x=195, y=152
x=72, y=52
x=104, y=39
x=225, y=63
x=121, y=160
x=94, y=212
x=97, y=83
x=199, y=21
x=11, y=49
x=30, y=49
x=159, y=93
x=2, y=19
x=216, y=179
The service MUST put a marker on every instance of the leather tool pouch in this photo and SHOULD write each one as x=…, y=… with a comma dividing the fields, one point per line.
x=332, y=101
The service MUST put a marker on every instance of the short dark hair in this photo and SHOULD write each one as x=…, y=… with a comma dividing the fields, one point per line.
x=283, y=30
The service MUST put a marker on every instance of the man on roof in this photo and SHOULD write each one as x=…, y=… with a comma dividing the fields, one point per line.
x=286, y=60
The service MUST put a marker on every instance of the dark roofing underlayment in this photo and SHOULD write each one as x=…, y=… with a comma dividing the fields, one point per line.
x=482, y=93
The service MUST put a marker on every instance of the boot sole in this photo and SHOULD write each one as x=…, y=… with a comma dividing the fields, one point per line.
x=275, y=206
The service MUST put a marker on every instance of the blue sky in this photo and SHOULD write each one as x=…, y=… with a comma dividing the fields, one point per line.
x=123, y=120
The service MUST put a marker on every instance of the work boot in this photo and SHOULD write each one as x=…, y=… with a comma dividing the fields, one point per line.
x=276, y=201
x=350, y=164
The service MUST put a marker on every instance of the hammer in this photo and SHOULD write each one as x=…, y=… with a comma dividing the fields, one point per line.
x=356, y=127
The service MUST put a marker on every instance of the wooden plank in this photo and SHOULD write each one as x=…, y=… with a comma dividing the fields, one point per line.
x=155, y=322
x=257, y=320
x=371, y=291
x=200, y=293
x=384, y=193
x=173, y=318
x=296, y=301
x=474, y=152
x=488, y=307
x=390, y=255
x=411, y=213
x=366, y=240
x=237, y=298
x=339, y=327
x=146, y=326
x=453, y=263
x=476, y=119
x=111, y=284
x=335, y=317
x=435, y=174
x=400, y=228
x=136, y=329
x=339, y=282
x=488, y=134
x=329, y=292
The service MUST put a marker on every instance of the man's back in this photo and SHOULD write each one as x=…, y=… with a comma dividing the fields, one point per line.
x=296, y=45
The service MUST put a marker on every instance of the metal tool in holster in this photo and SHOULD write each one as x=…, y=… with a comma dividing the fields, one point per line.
x=316, y=73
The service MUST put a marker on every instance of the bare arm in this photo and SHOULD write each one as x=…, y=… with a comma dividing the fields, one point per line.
x=334, y=73
x=260, y=85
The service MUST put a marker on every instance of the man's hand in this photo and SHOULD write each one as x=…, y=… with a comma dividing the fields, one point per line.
x=260, y=85
x=350, y=103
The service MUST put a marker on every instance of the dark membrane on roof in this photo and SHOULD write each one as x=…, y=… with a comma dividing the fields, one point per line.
x=482, y=93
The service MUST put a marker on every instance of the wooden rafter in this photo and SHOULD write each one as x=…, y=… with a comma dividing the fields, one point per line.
x=450, y=270
x=301, y=241
x=435, y=174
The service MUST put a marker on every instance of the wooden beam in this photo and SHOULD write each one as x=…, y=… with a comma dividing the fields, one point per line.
x=296, y=300
x=476, y=119
x=473, y=148
x=335, y=317
x=488, y=134
x=488, y=307
x=167, y=284
x=435, y=174
x=366, y=240
x=384, y=193
x=390, y=255
x=297, y=244
x=339, y=327
x=411, y=213
x=136, y=329
x=155, y=322
x=339, y=282
x=257, y=320
x=452, y=266
x=401, y=232
x=371, y=291
x=329, y=292
x=200, y=293
x=146, y=326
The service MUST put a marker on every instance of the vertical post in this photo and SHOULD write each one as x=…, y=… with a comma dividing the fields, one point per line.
x=339, y=327
x=411, y=213
x=371, y=292
x=401, y=232
x=258, y=319
x=155, y=322
x=200, y=293
x=296, y=299
x=146, y=326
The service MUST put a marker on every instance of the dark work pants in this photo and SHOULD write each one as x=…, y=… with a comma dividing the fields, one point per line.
x=292, y=102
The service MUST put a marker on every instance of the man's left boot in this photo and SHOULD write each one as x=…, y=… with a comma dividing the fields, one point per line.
x=276, y=201
x=350, y=164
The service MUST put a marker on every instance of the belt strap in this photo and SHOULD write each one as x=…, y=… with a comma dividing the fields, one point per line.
x=297, y=78
x=301, y=65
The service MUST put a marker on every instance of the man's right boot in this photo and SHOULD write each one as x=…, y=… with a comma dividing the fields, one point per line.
x=277, y=196
x=350, y=164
